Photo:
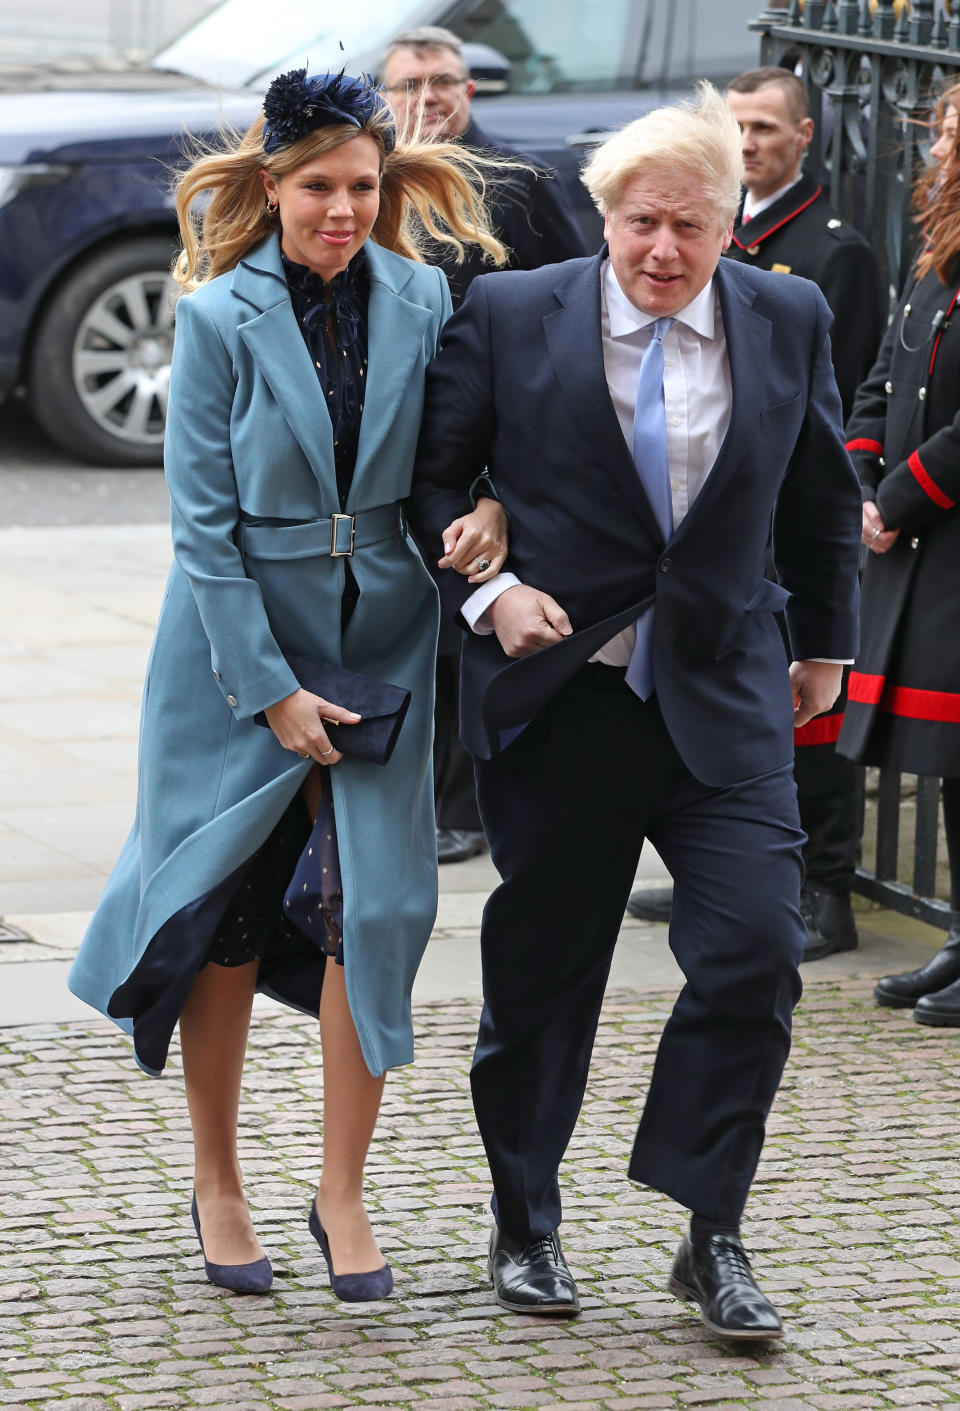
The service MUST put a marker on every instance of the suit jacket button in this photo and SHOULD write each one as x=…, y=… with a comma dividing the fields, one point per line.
x=888, y=388
x=216, y=674
x=232, y=701
x=664, y=565
x=914, y=542
x=922, y=393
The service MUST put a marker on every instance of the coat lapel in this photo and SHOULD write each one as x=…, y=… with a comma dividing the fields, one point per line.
x=575, y=343
x=748, y=335
x=280, y=353
x=395, y=343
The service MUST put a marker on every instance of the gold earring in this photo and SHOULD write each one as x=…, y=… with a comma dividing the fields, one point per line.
x=272, y=207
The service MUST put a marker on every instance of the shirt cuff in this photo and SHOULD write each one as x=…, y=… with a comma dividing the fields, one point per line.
x=833, y=661
x=476, y=605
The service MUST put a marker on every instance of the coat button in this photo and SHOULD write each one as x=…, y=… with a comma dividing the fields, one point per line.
x=922, y=393
x=664, y=565
x=216, y=674
x=882, y=461
x=888, y=388
x=914, y=542
x=232, y=701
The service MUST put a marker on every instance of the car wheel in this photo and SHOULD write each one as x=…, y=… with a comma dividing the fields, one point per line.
x=99, y=368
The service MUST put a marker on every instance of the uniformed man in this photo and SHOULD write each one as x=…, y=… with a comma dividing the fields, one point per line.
x=787, y=224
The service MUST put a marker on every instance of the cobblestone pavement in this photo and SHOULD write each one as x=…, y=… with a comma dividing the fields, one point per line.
x=853, y=1224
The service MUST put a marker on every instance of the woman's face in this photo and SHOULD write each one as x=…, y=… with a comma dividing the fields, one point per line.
x=946, y=143
x=328, y=206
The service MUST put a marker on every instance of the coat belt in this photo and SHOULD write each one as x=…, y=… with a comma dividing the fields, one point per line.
x=337, y=537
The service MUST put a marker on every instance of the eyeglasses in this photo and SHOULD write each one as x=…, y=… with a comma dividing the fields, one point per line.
x=440, y=83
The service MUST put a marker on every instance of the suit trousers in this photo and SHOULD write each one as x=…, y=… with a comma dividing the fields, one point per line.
x=567, y=807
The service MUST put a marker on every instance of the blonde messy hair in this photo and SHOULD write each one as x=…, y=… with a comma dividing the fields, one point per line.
x=429, y=191
x=699, y=137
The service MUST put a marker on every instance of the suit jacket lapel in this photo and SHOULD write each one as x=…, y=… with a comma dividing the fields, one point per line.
x=575, y=343
x=277, y=347
x=394, y=344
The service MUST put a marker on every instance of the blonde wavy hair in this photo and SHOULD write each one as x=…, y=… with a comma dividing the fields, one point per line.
x=699, y=137
x=430, y=191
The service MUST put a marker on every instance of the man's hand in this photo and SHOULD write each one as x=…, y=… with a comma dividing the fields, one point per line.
x=874, y=534
x=526, y=620
x=816, y=685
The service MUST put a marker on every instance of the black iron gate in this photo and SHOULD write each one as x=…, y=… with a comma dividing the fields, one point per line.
x=872, y=71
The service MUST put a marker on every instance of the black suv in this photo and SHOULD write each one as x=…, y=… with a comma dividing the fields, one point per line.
x=87, y=228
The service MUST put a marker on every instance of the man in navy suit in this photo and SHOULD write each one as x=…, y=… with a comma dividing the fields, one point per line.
x=626, y=679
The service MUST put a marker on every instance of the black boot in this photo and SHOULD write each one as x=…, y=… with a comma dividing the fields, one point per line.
x=941, y=1008
x=939, y=973
x=830, y=924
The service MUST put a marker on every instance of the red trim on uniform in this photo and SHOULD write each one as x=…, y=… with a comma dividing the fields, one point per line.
x=862, y=443
x=922, y=705
x=905, y=701
x=821, y=730
x=865, y=690
x=926, y=484
x=759, y=239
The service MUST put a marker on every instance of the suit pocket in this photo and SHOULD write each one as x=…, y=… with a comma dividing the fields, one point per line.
x=779, y=418
x=769, y=597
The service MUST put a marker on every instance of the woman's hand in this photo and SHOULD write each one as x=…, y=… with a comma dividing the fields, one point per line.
x=297, y=722
x=874, y=534
x=475, y=539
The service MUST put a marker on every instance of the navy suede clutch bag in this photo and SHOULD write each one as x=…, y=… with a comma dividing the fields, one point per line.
x=382, y=705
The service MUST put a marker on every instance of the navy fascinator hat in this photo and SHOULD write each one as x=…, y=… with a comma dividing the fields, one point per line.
x=296, y=105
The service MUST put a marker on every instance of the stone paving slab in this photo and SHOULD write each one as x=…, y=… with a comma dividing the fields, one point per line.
x=853, y=1225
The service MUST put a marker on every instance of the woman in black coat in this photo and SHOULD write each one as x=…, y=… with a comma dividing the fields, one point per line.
x=904, y=436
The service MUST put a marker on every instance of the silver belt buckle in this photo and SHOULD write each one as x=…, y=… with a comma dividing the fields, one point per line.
x=338, y=520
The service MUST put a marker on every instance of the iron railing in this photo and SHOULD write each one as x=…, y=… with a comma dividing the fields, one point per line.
x=873, y=73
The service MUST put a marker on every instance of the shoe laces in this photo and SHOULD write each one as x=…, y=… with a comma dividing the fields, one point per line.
x=542, y=1248
x=734, y=1256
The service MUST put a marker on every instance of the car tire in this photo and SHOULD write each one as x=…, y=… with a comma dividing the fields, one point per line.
x=99, y=365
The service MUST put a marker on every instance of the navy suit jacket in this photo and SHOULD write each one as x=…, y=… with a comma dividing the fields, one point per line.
x=519, y=388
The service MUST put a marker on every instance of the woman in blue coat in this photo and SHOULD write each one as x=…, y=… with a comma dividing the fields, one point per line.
x=263, y=854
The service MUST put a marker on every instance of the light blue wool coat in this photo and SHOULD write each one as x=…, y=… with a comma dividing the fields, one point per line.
x=248, y=433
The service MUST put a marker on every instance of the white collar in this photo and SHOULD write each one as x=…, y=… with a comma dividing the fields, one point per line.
x=625, y=318
x=753, y=208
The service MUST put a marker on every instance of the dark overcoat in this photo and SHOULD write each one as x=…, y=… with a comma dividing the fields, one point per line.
x=249, y=460
x=801, y=233
x=904, y=437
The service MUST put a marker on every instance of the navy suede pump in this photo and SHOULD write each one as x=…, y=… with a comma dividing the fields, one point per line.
x=351, y=1288
x=255, y=1277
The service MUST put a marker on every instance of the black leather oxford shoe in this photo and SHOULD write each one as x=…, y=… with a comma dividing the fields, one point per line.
x=532, y=1277
x=716, y=1274
x=940, y=971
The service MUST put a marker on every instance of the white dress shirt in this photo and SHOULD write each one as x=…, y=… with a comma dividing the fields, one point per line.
x=753, y=208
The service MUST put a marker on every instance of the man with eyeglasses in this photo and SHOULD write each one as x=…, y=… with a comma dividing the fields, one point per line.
x=425, y=75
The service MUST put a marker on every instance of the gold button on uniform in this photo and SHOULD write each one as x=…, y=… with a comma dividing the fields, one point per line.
x=232, y=701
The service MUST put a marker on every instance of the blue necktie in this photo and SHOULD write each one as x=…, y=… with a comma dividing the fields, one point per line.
x=653, y=468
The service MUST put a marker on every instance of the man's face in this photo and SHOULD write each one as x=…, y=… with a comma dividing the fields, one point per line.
x=435, y=77
x=665, y=240
x=772, y=141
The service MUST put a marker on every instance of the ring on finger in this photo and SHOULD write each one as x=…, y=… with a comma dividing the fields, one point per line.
x=875, y=534
x=482, y=564
x=324, y=753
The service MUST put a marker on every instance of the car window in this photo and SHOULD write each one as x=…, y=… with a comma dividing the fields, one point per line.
x=233, y=46
x=554, y=45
